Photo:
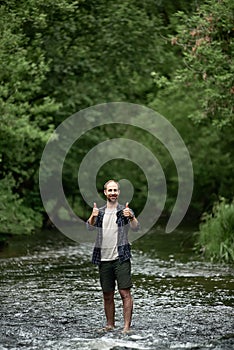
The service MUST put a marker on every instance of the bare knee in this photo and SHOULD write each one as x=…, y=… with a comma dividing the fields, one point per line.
x=108, y=296
x=125, y=294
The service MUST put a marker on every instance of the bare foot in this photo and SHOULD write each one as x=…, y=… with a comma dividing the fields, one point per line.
x=126, y=330
x=106, y=329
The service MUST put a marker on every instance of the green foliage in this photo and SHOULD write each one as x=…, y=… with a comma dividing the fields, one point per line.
x=206, y=42
x=60, y=56
x=189, y=99
x=106, y=53
x=25, y=117
x=216, y=237
x=16, y=217
x=209, y=150
x=101, y=52
x=70, y=54
x=198, y=100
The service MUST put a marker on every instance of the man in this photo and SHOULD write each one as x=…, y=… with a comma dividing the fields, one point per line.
x=112, y=252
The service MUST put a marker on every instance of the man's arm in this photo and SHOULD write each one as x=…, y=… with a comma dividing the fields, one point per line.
x=134, y=224
x=92, y=219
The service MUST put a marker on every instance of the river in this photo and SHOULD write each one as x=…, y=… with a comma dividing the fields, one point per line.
x=51, y=297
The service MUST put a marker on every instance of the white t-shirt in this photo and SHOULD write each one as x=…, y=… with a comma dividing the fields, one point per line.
x=109, y=249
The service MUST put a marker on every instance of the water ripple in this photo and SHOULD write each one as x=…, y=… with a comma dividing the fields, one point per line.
x=52, y=299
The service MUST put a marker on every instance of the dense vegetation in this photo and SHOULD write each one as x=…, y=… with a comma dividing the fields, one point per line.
x=216, y=232
x=58, y=57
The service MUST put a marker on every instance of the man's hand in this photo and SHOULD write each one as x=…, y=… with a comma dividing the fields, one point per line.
x=94, y=214
x=95, y=210
x=127, y=212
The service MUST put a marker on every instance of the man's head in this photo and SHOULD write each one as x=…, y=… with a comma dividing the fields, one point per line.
x=111, y=191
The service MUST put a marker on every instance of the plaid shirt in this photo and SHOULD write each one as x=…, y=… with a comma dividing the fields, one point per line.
x=124, y=249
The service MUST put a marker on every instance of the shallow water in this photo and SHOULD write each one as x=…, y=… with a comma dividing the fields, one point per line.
x=51, y=298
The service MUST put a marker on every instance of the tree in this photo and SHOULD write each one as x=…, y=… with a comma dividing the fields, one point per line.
x=61, y=56
x=198, y=98
x=206, y=42
x=25, y=119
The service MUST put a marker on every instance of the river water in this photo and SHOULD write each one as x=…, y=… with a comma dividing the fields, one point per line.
x=51, y=298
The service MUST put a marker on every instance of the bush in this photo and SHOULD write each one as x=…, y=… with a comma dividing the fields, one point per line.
x=15, y=216
x=216, y=236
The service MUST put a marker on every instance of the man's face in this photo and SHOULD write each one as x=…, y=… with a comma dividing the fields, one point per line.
x=112, y=192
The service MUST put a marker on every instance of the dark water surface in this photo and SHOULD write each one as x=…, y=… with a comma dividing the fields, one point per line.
x=51, y=298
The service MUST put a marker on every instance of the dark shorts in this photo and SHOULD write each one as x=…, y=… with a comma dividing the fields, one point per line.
x=112, y=271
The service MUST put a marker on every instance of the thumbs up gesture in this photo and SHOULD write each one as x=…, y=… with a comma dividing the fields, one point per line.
x=95, y=210
x=127, y=211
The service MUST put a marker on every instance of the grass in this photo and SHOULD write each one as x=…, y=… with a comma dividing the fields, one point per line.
x=216, y=235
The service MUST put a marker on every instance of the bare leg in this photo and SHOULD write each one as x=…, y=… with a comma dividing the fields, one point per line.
x=127, y=308
x=109, y=307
